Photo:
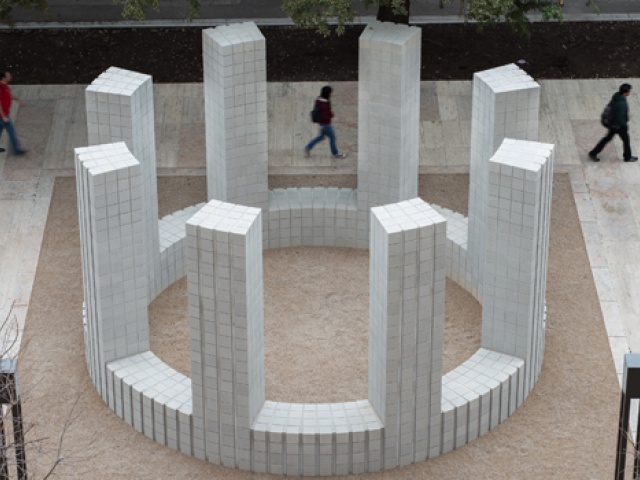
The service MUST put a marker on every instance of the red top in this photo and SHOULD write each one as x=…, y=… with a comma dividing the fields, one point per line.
x=5, y=98
x=325, y=111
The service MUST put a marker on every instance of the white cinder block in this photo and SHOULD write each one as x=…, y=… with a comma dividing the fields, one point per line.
x=402, y=234
x=119, y=107
x=518, y=218
x=502, y=98
x=235, y=84
x=230, y=362
x=388, y=114
x=115, y=281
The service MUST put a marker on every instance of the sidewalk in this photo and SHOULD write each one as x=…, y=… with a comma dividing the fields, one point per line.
x=607, y=194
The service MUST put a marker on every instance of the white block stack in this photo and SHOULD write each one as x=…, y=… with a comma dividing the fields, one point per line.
x=518, y=216
x=388, y=117
x=120, y=108
x=224, y=272
x=111, y=217
x=313, y=217
x=406, y=328
x=506, y=102
x=413, y=412
x=235, y=93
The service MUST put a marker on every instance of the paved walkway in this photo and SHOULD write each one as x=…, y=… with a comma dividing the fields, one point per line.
x=607, y=194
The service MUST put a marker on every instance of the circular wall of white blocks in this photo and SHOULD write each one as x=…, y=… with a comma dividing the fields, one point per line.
x=220, y=414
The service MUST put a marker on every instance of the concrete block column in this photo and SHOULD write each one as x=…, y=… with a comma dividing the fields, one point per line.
x=112, y=227
x=518, y=217
x=120, y=108
x=407, y=277
x=388, y=115
x=506, y=102
x=224, y=272
x=235, y=94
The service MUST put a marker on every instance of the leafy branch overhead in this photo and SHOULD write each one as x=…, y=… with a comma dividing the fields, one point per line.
x=137, y=9
x=513, y=12
x=7, y=7
x=319, y=14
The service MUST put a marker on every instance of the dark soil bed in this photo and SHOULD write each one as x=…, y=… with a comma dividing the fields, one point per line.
x=171, y=55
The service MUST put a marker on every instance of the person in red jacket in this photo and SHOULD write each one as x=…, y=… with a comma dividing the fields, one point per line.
x=323, y=102
x=5, y=109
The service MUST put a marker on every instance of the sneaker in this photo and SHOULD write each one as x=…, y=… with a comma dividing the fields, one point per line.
x=593, y=157
x=20, y=152
x=2, y=150
x=631, y=159
x=340, y=155
x=307, y=153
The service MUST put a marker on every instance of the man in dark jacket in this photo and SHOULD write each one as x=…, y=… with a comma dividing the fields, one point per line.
x=619, y=126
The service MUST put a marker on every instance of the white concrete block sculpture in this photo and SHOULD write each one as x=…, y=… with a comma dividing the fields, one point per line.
x=235, y=98
x=388, y=115
x=518, y=215
x=120, y=108
x=226, y=314
x=114, y=263
x=506, y=102
x=413, y=411
x=406, y=327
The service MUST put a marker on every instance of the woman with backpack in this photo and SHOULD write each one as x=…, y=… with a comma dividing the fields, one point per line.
x=322, y=115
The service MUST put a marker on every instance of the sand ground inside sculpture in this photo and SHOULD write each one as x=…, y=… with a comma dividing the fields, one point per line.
x=565, y=429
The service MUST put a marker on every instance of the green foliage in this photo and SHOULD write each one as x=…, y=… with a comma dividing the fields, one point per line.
x=316, y=13
x=398, y=6
x=136, y=9
x=512, y=12
x=7, y=7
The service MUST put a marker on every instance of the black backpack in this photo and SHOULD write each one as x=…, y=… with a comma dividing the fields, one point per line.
x=315, y=113
x=606, y=119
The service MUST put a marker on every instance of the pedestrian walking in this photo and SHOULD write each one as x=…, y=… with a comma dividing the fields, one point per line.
x=6, y=99
x=619, y=125
x=323, y=105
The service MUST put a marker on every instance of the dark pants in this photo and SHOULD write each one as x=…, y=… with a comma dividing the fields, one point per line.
x=623, y=133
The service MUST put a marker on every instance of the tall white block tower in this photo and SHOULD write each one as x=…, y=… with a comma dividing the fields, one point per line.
x=111, y=217
x=406, y=327
x=235, y=98
x=224, y=243
x=518, y=217
x=120, y=109
x=388, y=115
x=506, y=102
